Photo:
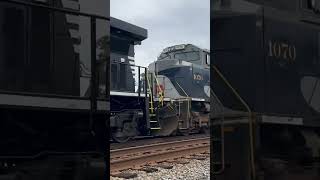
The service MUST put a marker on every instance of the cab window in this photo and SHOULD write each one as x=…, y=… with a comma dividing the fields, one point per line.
x=208, y=59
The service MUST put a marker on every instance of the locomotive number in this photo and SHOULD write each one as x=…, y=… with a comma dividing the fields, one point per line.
x=282, y=50
x=197, y=77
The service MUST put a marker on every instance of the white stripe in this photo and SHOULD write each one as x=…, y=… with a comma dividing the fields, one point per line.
x=197, y=99
x=116, y=93
x=182, y=98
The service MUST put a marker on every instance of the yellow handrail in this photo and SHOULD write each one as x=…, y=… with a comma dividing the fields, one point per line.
x=251, y=120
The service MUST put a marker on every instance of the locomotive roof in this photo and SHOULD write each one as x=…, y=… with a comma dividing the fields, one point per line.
x=130, y=31
x=182, y=46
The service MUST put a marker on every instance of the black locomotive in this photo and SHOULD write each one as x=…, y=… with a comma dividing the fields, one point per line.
x=134, y=110
x=54, y=97
x=266, y=70
x=129, y=104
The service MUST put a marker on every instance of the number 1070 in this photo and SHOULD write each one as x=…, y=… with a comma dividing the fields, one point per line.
x=282, y=50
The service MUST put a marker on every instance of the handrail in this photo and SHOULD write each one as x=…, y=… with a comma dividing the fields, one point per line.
x=251, y=120
x=182, y=89
x=222, y=135
x=151, y=93
x=188, y=97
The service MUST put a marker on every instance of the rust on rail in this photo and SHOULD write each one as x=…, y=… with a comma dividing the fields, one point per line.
x=137, y=157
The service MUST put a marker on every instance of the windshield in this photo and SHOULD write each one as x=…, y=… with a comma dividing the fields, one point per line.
x=188, y=56
x=164, y=57
x=208, y=59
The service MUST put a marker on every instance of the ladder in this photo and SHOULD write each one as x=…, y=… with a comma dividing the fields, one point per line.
x=154, y=106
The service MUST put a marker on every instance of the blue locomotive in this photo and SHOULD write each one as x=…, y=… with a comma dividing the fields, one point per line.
x=183, y=75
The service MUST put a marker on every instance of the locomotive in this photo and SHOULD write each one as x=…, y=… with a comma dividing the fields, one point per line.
x=129, y=105
x=134, y=112
x=265, y=100
x=145, y=102
x=182, y=73
x=54, y=97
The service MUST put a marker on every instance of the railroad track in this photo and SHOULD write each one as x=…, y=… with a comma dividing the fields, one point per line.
x=140, y=156
x=153, y=140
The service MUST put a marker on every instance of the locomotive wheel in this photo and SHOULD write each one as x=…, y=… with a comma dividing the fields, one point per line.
x=120, y=139
x=122, y=134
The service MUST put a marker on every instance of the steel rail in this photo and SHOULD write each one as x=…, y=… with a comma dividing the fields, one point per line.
x=135, y=157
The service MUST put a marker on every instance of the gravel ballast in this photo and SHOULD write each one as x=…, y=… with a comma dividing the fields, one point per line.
x=194, y=170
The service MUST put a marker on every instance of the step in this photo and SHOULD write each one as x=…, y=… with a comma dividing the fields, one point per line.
x=153, y=121
x=152, y=115
x=155, y=128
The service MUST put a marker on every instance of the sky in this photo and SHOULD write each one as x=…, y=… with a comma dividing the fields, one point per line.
x=169, y=22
